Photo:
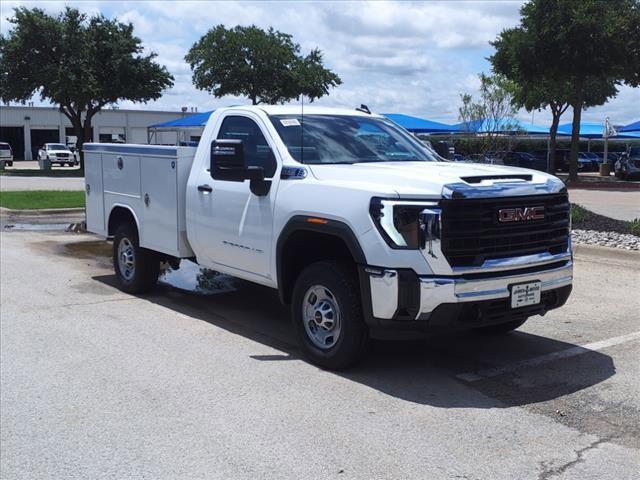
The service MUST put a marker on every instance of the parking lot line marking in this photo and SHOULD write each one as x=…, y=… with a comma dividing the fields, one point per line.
x=549, y=357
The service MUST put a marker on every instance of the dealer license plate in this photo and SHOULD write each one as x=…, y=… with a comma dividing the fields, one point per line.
x=525, y=294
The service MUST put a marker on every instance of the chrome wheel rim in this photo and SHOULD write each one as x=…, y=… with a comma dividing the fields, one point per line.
x=321, y=317
x=126, y=258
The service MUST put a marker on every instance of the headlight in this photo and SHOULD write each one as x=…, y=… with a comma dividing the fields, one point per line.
x=398, y=221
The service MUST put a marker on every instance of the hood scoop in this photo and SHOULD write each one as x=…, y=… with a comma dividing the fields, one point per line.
x=482, y=178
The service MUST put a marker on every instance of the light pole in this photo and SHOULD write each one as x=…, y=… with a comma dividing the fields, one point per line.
x=605, y=170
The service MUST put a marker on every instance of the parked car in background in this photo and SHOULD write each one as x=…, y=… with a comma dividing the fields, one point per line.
x=612, y=158
x=495, y=158
x=479, y=158
x=563, y=161
x=6, y=154
x=524, y=160
x=628, y=166
x=57, y=154
x=594, y=158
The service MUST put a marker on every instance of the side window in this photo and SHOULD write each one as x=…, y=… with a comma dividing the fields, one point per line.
x=256, y=149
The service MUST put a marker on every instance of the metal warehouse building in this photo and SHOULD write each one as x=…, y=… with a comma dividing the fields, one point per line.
x=27, y=128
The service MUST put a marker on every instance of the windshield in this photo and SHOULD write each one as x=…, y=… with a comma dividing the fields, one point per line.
x=57, y=146
x=327, y=139
x=5, y=146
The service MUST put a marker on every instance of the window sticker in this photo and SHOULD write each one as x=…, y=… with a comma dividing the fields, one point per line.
x=290, y=122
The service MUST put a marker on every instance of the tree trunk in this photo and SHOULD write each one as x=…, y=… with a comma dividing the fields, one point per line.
x=575, y=139
x=553, y=132
x=86, y=137
x=77, y=129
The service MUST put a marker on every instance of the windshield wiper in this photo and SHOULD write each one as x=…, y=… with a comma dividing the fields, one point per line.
x=392, y=160
x=329, y=163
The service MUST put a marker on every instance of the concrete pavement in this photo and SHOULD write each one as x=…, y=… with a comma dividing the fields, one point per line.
x=99, y=384
x=619, y=204
x=11, y=183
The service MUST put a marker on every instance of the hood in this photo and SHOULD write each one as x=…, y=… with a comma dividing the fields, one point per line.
x=59, y=151
x=437, y=179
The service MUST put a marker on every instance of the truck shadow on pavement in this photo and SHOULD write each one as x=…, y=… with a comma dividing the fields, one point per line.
x=423, y=372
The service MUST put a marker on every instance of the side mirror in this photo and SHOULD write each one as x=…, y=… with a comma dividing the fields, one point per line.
x=227, y=160
x=228, y=164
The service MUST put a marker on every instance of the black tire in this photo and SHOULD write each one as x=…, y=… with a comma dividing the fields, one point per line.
x=342, y=281
x=146, y=264
x=501, y=327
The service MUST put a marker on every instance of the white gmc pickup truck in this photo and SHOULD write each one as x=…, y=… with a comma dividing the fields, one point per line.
x=360, y=227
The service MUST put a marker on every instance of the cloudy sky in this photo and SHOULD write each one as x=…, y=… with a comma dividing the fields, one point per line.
x=413, y=58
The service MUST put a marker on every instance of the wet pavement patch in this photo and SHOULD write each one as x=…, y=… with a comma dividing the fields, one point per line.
x=194, y=278
x=35, y=227
x=190, y=277
x=90, y=249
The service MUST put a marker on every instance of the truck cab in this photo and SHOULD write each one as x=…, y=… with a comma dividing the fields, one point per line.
x=361, y=228
x=57, y=154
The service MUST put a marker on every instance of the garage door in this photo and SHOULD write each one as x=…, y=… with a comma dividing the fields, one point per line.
x=14, y=136
x=41, y=136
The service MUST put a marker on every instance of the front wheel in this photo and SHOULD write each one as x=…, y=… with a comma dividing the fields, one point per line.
x=327, y=315
x=137, y=269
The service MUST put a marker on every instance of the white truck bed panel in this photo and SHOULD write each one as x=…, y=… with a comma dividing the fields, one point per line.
x=148, y=180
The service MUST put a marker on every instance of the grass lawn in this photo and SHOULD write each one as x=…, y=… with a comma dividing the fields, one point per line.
x=25, y=172
x=41, y=199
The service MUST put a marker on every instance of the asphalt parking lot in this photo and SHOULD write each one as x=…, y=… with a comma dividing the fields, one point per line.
x=95, y=383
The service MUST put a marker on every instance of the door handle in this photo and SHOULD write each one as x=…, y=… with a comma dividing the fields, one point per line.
x=205, y=188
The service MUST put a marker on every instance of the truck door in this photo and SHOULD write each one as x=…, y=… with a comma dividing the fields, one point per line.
x=233, y=226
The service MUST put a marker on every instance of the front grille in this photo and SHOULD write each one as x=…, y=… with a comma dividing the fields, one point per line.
x=471, y=232
x=62, y=155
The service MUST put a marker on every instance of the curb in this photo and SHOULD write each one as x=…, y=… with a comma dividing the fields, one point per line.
x=624, y=186
x=606, y=253
x=43, y=211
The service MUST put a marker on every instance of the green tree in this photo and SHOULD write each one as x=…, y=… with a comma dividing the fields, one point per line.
x=265, y=66
x=529, y=92
x=79, y=63
x=570, y=52
x=492, y=113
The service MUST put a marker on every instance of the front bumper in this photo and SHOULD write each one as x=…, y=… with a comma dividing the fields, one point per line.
x=402, y=299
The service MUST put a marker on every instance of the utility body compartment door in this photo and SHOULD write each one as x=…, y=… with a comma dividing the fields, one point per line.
x=94, y=195
x=159, y=226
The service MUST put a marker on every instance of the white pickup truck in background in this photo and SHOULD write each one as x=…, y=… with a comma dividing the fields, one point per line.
x=361, y=227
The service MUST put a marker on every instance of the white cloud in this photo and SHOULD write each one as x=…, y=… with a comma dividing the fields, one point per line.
x=410, y=57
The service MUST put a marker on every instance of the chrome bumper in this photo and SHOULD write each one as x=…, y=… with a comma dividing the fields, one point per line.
x=434, y=291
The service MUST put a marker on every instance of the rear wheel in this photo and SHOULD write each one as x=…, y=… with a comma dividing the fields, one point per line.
x=136, y=268
x=327, y=315
x=501, y=327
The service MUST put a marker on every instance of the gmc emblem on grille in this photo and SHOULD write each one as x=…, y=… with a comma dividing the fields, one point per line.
x=520, y=214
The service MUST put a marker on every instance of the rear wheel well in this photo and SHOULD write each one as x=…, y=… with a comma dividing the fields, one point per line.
x=120, y=216
x=303, y=248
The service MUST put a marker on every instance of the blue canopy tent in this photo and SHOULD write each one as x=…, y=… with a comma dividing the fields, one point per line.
x=184, y=124
x=630, y=131
x=419, y=125
x=632, y=127
x=632, y=134
x=505, y=127
x=195, y=120
x=588, y=130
